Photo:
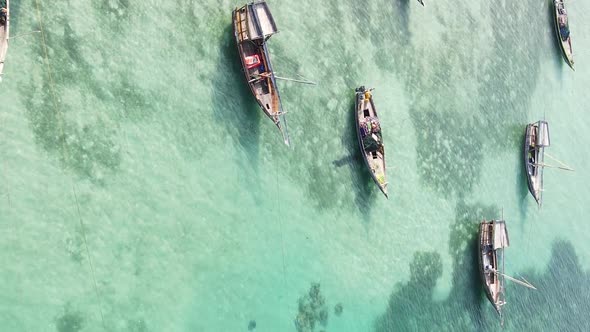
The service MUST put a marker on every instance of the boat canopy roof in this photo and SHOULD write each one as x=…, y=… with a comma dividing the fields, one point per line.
x=260, y=23
x=542, y=133
x=500, y=235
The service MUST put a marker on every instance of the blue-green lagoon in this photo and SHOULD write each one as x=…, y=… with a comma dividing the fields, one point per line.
x=142, y=189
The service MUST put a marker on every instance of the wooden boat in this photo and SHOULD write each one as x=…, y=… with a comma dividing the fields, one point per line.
x=4, y=32
x=536, y=139
x=493, y=238
x=253, y=25
x=369, y=135
x=563, y=32
x=535, y=142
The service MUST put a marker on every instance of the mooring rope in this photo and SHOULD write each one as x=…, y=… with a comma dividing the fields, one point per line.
x=280, y=218
x=65, y=152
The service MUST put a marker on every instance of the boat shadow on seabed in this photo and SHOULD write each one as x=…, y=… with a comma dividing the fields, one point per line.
x=365, y=191
x=403, y=9
x=521, y=184
x=426, y=268
x=242, y=116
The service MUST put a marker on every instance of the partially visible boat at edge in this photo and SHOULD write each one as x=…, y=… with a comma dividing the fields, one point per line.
x=370, y=138
x=563, y=32
x=253, y=25
x=4, y=33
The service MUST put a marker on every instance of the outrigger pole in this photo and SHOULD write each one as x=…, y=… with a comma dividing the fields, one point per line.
x=523, y=282
x=552, y=166
x=297, y=81
x=287, y=79
x=565, y=167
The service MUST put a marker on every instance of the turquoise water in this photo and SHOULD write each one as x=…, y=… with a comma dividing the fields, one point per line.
x=141, y=189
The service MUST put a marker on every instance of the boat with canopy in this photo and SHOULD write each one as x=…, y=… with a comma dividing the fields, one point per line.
x=253, y=25
x=493, y=239
x=535, y=142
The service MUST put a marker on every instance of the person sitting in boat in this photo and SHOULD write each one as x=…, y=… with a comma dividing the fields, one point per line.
x=375, y=125
x=564, y=31
x=364, y=129
x=371, y=134
x=3, y=13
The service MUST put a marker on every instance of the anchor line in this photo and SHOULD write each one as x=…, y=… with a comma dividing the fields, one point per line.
x=280, y=218
x=66, y=156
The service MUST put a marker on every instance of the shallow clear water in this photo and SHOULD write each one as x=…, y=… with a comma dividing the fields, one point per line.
x=141, y=189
